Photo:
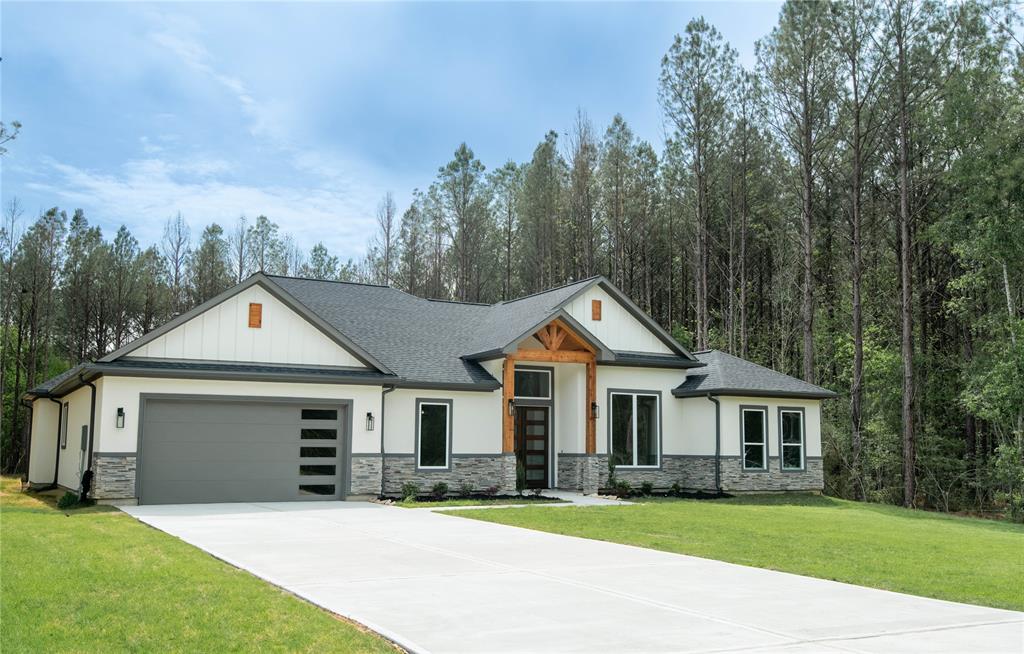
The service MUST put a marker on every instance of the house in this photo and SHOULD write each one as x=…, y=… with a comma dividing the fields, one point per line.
x=296, y=389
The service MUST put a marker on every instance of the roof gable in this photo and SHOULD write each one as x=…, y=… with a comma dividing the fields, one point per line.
x=218, y=330
x=725, y=374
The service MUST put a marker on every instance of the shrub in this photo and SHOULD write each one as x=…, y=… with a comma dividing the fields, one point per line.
x=439, y=490
x=537, y=492
x=622, y=488
x=611, y=473
x=646, y=488
x=465, y=489
x=409, y=491
x=67, y=501
x=520, y=477
x=491, y=491
x=676, y=489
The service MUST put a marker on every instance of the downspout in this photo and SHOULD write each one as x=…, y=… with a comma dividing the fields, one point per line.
x=718, y=442
x=56, y=460
x=28, y=444
x=87, y=476
x=384, y=391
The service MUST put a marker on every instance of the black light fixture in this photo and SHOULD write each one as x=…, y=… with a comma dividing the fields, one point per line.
x=369, y=421
x=120, y=417
x=595, y=411
x=511, y=407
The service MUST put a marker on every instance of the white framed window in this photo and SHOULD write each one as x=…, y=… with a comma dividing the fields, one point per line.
x=64, y=425
x=533, y=384
x=634, y=426
x=754, y=435
x=791, y=438
x=433, y=434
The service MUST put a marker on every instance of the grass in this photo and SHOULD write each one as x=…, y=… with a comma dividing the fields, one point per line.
x=917, y=552
x=476, y=501
x=95, y=579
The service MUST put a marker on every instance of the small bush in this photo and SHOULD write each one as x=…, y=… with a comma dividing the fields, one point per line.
x=491, y=491
x=67, y=501
x=646, y=488
x=622, y=488
x=537, y=492
x=520, y=477
x=676, y=489
x=439, y=490
x=410, y=491
x=465, y=489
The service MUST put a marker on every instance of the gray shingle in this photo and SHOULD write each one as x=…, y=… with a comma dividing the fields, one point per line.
x=725, y=374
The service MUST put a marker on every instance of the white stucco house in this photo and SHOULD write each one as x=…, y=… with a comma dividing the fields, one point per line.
x=295, y=389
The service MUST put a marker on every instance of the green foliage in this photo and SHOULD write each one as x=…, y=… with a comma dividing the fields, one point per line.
x=68, y=500
x=646, y=488
x=465, y=489
x=410, y=491
x=439, y=490
x=520, y=476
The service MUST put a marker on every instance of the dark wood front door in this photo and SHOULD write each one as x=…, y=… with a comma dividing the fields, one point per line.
x=532, y=443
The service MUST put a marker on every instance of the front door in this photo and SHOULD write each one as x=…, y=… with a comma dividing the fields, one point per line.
x=532, y=443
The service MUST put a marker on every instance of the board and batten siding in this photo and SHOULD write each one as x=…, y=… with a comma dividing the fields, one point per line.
x=617, y=328
x=222, y=333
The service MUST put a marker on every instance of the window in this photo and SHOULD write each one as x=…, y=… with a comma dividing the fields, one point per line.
x=635, y=429
x=791, y=438
x=316, y=489
x=64, y=426
x=318, y=452
x=432, y=433
x=319, y=414
x=319, y=434
x=533, y=384
x=313, y=471
x=754, y=424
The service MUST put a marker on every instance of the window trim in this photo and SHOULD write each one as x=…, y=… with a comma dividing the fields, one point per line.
x=803, y=438
x=658, y=440
x=420, y=401
x=551, y=382
x=766, y=457
x=65, y=410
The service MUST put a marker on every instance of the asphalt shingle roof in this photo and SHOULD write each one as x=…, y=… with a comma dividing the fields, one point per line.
x=725, y=374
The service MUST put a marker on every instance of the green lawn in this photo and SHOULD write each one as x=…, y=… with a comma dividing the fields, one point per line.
x=97, y=580
x=959, y=559
x=518, y=501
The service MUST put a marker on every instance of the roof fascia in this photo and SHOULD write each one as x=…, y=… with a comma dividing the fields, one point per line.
x=746, y=392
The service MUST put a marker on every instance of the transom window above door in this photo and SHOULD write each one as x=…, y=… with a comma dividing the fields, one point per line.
x=635, y=426
x=533, y=384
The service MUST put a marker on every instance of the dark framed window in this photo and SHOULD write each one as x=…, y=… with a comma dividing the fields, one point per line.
x=318, y=434
x=318, y=452
x=433, y=433
x=635, y=429
x=64, y=425
x=533, y=384
x=316, y=489
x=754, y=433
x=316, y=470
x=791, y=439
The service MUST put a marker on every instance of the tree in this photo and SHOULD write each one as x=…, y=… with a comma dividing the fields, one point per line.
x=265, y=247
x=210, y=274
x=696, y=76
x=241, y=253
x=541, y=228
x=463, y=191
x=321, y=265
x=582, y=195
x=175, y=249
x=413, y=250
x=506, y=193
x=798, y=66
x=387, y=237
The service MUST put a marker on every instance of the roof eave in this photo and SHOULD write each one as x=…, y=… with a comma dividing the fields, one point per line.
x=748, y=392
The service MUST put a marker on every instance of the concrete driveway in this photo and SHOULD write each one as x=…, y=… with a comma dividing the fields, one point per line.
x=440, y=583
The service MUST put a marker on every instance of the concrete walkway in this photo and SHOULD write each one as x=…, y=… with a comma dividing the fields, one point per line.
x=440, y=583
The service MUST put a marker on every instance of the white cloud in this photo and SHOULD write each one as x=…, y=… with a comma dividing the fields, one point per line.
x=145, y=192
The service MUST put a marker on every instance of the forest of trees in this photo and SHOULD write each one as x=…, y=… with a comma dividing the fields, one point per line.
x=849, y=211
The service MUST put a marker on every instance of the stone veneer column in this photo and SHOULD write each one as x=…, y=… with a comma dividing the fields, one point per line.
x=591, y=474
x=507, y=483
x=366, y=470
x=113, y=477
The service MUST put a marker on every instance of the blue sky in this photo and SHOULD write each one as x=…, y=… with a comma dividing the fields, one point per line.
x=308, y=113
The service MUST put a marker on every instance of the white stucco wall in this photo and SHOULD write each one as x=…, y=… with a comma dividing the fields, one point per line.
x=476, y=420
x=124, y=392
x=570, y=429
x=72, y=457
x=44, y=441
x=222, y=333
x=617, y=329
x=675, y=430
x=731, y=423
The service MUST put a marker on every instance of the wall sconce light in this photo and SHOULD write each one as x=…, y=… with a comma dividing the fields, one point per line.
x=369, y=421
x=595, y=411
x=120, y=418
x=511, y=407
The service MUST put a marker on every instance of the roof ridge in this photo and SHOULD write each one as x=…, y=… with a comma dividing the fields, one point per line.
x=549, y=290
x=432, y=299
x=336, y=281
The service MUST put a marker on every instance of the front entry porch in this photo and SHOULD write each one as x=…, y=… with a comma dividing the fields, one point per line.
x=528, y=430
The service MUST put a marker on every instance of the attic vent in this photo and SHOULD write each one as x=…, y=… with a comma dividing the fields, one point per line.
x=595, y=309
x=255, y=315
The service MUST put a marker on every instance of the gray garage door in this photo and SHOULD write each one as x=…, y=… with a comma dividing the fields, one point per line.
x=226, y=450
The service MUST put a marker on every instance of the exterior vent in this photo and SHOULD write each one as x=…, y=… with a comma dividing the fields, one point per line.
x=255, y=315
x=595, y=309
